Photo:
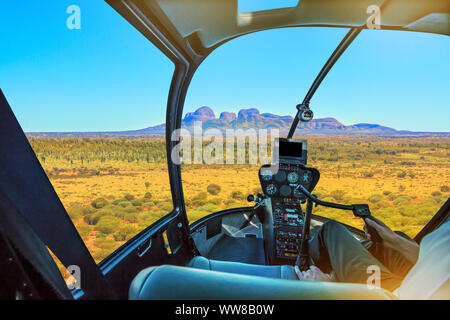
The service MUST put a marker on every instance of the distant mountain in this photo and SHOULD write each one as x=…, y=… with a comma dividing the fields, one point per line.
x=253, y=119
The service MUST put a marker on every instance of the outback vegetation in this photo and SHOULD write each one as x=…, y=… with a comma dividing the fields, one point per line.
x=115, y=187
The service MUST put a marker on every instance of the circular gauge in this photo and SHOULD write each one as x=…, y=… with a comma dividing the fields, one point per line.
x=280, y=176
x=306, y=177
x=285, y=190
x=266, y=174
x=292, y=177
x=271, y=189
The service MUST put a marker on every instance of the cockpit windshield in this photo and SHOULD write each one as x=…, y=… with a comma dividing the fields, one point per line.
x=371, y=138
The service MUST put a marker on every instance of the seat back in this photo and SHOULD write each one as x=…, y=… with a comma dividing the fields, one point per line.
x=182, y=283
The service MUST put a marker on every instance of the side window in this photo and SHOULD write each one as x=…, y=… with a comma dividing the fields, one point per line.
x=84, y=99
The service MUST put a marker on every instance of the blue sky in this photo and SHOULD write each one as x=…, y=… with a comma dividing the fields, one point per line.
x=107, y=76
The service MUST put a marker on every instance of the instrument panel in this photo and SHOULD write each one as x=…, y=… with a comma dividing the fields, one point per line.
x=288, y=217
x=282, y=183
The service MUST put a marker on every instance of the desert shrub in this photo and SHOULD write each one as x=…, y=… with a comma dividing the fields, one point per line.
x=147, y=184
x=105, y=243
x=129, y=209
x=200, y=196
x=100, y=235
x=367, y=174
x=209, y=207
x=229, y=202
x=131, y=217
x=401, y=188
x=165, y=205
x=198, y=203
x=148, y=204
x=375, y=198
x=99, y=203
x=119, y=212
x=213, y=189
x=118, y=201
x=338, y=194
x=401, y=200
x=407, y=210
x=75, y=212
x=137, y=203
x=118, y=237
x=129, y=196
x=125, y=203
x=101, y=254
x=107, y=224
x=83, y=230
x=215, y=200
x=436, y=194
x=147, y=196
x=401, y=174
x=237, y=195
x=445, y=188
x=197, y=214
x=106, y=211
x=125, y=232
x=93, y=218
x=387, y=192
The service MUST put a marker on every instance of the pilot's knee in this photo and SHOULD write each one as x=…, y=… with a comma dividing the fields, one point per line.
x=331, y=225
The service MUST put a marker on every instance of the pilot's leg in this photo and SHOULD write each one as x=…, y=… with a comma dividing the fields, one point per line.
x=334, y=248
x=392, y=259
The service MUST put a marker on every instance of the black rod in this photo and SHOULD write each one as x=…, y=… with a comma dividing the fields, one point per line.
x=343, y=45
x=314, y=199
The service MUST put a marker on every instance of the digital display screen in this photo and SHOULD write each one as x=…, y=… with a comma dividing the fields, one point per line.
x=290, y=148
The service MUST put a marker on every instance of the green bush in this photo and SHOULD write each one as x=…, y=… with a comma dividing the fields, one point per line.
x=83, y=230
x=215, y=200
x=213, y=189
x=401, y=174
x=229, y=202
x=100, y=235
x=105, y=243
x=129, y=197
x=129, y=209
x=107, y=224
x=137, y=203
x=147, y=196
x=75, y=212
x=99, y=203
x=200, y=196
x=237, y=195
x=125, y=232
x=338, y=194
x=101, y=254
x=375, y=198
x=209, y=207
x=165, y=205
x=198, y=203
x=131, y=217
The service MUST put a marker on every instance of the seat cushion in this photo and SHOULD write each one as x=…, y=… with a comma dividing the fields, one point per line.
x=181, y=283
x=277, y=272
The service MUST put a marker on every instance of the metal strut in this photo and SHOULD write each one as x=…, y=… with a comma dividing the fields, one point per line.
x=304, y=106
